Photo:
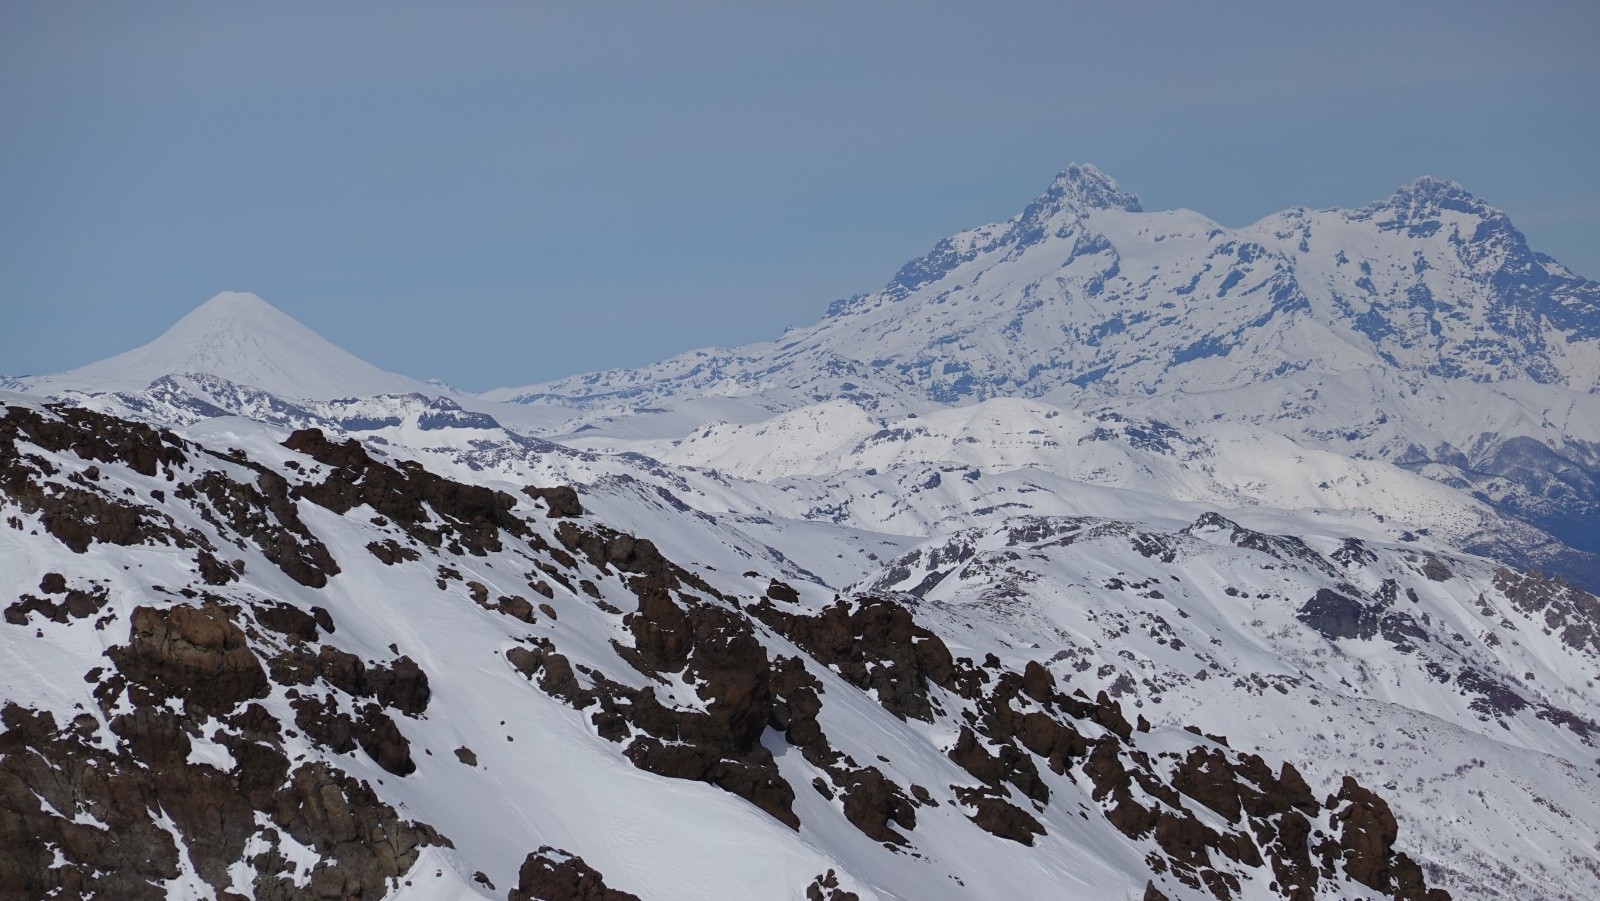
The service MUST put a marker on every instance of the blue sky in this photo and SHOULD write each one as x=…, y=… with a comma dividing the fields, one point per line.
x=496, y=193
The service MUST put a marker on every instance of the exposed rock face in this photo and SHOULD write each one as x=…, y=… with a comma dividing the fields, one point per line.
x=95, y=437
x=201, y=656
x=40, y=763
x=194, y=654
x=183, y=768
x=826, y=888
x=1013, y=722
x=76, y=603
x=264, y=513
x=1366, y=846
x=704, y=643
x=550, y=874
x=561, y=500
x=1567, y=610
x=1337, y=616
x=471, y=516
x=84, y=512
x=875, y=645
x=1023, y=717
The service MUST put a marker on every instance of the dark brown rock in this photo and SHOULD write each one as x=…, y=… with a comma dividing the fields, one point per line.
x=874, y=644
x=550, y=874
x=198, y=654
x=561, y=500
x=78, y=604
x=516, y=607
x=826, y=888
x=469, y=519
x=872, y=802
x=390, y=552
x=265, y=514
x=999, y=817
x=287, y=620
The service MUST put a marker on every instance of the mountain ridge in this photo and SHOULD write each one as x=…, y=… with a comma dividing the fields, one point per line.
x=1080, y=211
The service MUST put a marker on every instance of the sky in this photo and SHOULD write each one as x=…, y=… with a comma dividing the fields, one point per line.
x=501, y=193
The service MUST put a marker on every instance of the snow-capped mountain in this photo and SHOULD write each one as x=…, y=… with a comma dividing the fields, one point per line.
x=240, y=338
x=1421, y=330
x=1459, y=293
x=1086, y=288
x=1101, y=554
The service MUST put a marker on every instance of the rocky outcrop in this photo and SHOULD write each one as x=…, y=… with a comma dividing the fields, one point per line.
x=184, y=769
x=560, y=500
x=1015, y=725
x=437, y=511
x=719, y=745
x=75, y=603
x=873, y=644
x=95, y=819
x=264, y=514
x=198, y=655
x=77, y=509
x=116, y=850
x=1366, y=846
x=550, y=874
x=1337, y=616
x=1017, y=718
x=826, y=888
x=1563, y=608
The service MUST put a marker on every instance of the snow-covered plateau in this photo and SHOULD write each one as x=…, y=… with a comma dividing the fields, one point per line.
x=1103, y=554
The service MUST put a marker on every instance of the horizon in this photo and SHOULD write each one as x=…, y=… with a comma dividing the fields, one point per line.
x=527, y=193
x=229, y=296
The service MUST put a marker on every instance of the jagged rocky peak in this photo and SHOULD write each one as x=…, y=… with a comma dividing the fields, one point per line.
x=1424, y=200
x=1085, y=187
x=1077, y=190
x=1432, y=190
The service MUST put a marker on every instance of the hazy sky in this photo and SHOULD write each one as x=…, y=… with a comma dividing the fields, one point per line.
x=500, y=193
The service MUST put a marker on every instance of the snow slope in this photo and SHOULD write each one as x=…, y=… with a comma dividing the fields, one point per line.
x=1386, y=675
x=946, y=468
x=343, y=648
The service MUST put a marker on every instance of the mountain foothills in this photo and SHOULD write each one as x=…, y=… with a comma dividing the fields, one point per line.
x=1101, y=554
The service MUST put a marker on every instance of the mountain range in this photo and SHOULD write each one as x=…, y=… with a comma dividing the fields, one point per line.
x=1421, y=330
x=1102, y=553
